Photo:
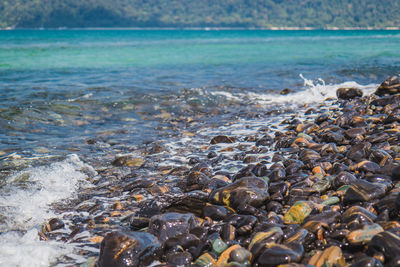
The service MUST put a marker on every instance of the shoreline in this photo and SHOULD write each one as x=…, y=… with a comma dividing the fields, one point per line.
x=321, y=180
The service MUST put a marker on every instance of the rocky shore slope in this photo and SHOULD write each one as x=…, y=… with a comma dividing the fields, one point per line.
x=320, y=191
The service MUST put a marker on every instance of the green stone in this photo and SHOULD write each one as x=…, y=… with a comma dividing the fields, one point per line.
x=298, y=212
x=331, y=201
x=219, y=246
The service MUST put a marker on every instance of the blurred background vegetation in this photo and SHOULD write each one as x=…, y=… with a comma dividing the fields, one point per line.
x=199, y=13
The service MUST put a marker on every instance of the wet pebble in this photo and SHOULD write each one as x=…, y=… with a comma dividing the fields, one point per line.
x=134, y=249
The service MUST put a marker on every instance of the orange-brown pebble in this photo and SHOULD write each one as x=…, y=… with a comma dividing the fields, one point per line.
x=301, y=142
x=301, y=127
x=330, y=256
x=138, y=197
x=318, y=170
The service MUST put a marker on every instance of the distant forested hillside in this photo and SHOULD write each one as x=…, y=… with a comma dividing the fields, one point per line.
x=199, y=13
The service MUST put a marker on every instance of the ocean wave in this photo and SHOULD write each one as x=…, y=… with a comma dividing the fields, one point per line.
x=25, y=204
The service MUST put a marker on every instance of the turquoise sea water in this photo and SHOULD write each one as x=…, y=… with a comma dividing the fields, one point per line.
x=71, y=100
x=61, y=87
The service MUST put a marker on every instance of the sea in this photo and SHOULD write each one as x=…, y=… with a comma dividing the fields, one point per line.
x=71, y=101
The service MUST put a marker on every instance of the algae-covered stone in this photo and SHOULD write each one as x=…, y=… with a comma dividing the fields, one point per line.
x=298, y=212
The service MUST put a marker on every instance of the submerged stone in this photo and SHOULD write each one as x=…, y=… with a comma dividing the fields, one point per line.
x=222, y=139
x=128, y=161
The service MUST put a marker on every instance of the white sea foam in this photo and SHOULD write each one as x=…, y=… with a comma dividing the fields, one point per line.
x=25, y=204
x=18, y=249
x=314, y=91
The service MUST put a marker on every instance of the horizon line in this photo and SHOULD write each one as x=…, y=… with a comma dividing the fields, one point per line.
x=280, y=28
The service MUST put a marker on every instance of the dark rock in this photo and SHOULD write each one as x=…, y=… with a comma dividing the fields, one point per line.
x=335, y=137
x=339, y=167
x=196, y=180
x=203, y=168
x=354, y=132
x=184, y=240
x=343, y=178
x=285, y=91
x=260, y=240
x=321, y=118
x=390, y=86
x=361, y=190
x=266, y=140
x=277, y=174
x=359, y=152
x=368, y=166
x=128, y=249
x=211, y=154
x=171, y=224
x=248, y=190
x=355, y=216
x=179, y=258
x=386, y=100
x=367, y=262
x=277, y=254
x=386, y=243
x=327, y=217
x=53, y=224
x=215, y=212
x=381, y=157
x=138, y=223
x=222, y=139
x=348, y=93
x=396, y=173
